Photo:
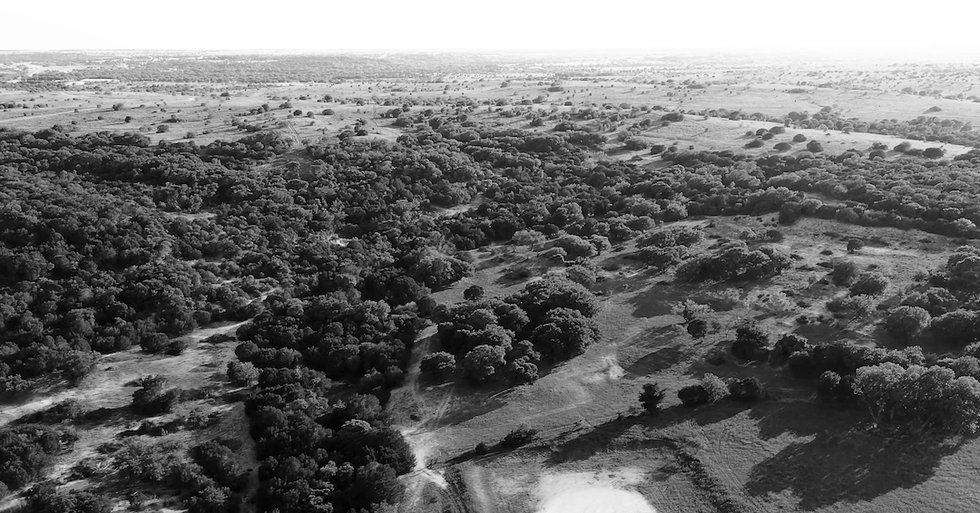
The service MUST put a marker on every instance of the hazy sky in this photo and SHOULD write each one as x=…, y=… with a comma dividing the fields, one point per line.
x=937, y=26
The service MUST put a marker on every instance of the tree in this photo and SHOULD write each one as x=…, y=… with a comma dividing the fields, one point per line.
x=906, y=322
x=473, y=293
x=151, y=398
x=539, y=297
x=933, y=153
x=483, y=361
x=785, y=347
x=843, y=273
x=693, y=395
x=751, y=343
x=242, y=373
x=746, y=390
x=959, y=326
x=651, y=397
x=564, y=333
x=439, y=365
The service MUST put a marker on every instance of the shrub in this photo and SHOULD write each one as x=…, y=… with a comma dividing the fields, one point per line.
x=799, y=138
x=715, y=387
x=754, y=143
x=843, y=273
x=152, y=399
x=438, y=366
x=242, y=373
x=906, y=322
x=827, y=385
x=747, y=390
x=693, y=395
x=854, y=245
x=751, y=343
x=869, y=284
x=785, y=347
x=855, y=307
x=801, y=365
x=814, y=147
x=933, y=153
x=651, y=397
x=959, y=326
x=483, y=361
x=473, y=293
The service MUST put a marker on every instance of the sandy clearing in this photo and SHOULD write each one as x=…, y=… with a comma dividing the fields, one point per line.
x=592, y=492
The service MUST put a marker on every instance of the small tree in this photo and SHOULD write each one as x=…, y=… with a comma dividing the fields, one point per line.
x=651, y=397
x=854, y=245
x=843, y=273
x=751, y=343
x=747, y=390
x=483, y=361
x=906, y=322
x=869, y=284
x=439, y=366
x=152, y=399
x=242, y=374
x=473, y=293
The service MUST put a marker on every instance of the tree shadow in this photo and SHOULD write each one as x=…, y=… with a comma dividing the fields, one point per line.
x=661, y=359
x=655, y=301
x=604, y=436
x=803, y=417
x=848, y=467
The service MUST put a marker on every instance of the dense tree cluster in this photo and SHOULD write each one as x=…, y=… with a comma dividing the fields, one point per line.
x=549, y=320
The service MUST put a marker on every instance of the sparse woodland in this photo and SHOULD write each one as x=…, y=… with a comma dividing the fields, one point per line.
x=332, y=251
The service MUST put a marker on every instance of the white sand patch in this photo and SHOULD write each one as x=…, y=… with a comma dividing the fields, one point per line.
x=592, y=492
x=607, y=369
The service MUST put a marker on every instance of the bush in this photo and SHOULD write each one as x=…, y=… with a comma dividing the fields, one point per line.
x=716, y=388
x=785, y=347
x=242, y=373
x=854, y=245
x=869, y=284
x=438, y=366
x=693, y=395
x=473, y=293
x=906, y=322
x=814, y=147
x=651, y=397
x=827, y=385
x=843, y=273
x=801, y=365
x=933, y=153
x=958, y=327
x=152, y=399
x=751, y=343
x=799, y=138
x=483, y=361
x=747, y=390
x=855, y=307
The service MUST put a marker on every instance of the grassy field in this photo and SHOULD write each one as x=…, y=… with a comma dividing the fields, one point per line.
x=786, y=453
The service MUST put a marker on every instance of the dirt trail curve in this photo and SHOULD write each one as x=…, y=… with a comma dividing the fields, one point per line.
x=422, y=437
